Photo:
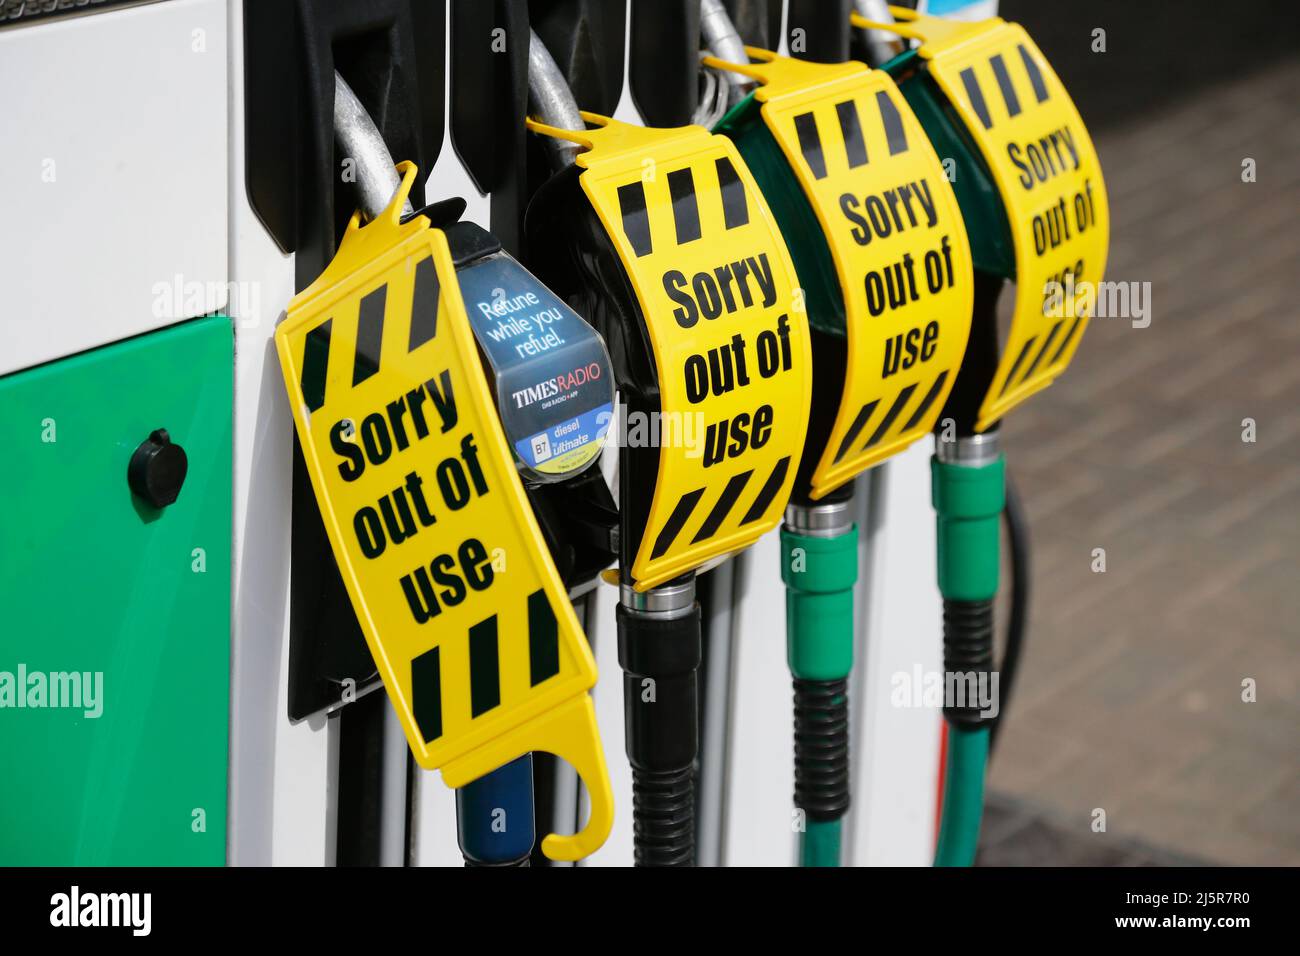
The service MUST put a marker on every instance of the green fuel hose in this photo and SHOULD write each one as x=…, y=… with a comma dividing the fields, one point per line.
x=819, y=565
x=963, y=796
x=969, y=488
x=820, y=845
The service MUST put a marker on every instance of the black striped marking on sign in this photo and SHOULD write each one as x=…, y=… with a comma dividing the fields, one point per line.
x=1015, y=366
x=855, y=146
x=723, y=506
x=1003, y=76
x=765, y=494
x=1042, y=353
x=636, y=222
x=370, y=335
x=1035, y=75
x=887, y=422
x=861, y=419
x=976, y=96
x=485, y=666
x=894, y=131
x=685, y=205
x=810, y=144
x=1069, y=337
x=424, y=304
x=686, y=213
x=426, y=693
x=735, y=207
x=1038, y=359
x=315, y=365
x=543, y=639
x=721, y=509
x=673, y=526
x=371, y=312
x=1004, y=84
x=926, y=402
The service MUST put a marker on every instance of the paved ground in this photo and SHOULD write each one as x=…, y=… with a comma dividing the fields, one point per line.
x=1131, y=693
x=1016, y=833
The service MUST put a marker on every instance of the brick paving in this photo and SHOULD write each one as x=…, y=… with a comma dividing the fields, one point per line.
x=1130, y=692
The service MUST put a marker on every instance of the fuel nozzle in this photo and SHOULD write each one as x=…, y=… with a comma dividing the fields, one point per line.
x=883, y=262
x=658, y=629
x=437, y=386
x=1031, y=191
x=661, y=237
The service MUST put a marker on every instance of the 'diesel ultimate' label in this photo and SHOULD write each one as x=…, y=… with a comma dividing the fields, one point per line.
x=555, y=391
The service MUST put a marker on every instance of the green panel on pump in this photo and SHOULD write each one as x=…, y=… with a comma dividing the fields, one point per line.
x=115, y=641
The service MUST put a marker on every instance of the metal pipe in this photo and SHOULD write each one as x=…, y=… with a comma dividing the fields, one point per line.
x=550, y=99
x=975, y=451
x=361, y=141
x=881, y=46
x=392, y=817
x=823, y=520
x=723, y=40
x=675, y=599
x=715, y=731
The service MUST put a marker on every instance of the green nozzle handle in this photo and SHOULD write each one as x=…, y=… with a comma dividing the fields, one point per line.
x=819, y=575
x=968, y=501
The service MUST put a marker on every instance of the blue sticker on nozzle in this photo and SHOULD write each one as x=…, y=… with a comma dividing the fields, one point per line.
x=553, y=382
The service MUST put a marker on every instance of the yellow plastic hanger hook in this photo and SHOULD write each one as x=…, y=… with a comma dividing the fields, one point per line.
x=393, y=211
x=608, y=137
x=578, y=136
x=392, y=214
x=903, y=15
x=575, y=724
x=779, y=75
x=753, y=70
x=568, y=731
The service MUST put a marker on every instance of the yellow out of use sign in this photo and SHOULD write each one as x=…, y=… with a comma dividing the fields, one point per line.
x=1046, y=169
x=447, y=570
x=898, y=242
x=717, y=291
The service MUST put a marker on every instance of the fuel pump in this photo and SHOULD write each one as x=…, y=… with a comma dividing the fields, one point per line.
x=663, y=239
x=415, y=455
x=1030, y=188
x=883, y=261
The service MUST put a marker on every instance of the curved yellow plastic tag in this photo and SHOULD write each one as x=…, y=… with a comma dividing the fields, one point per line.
x=717, y=288
x=446, y=567
x=1047, y=172
x=898, y=241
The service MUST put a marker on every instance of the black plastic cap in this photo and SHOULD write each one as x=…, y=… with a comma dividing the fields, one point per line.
x=157, y=469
